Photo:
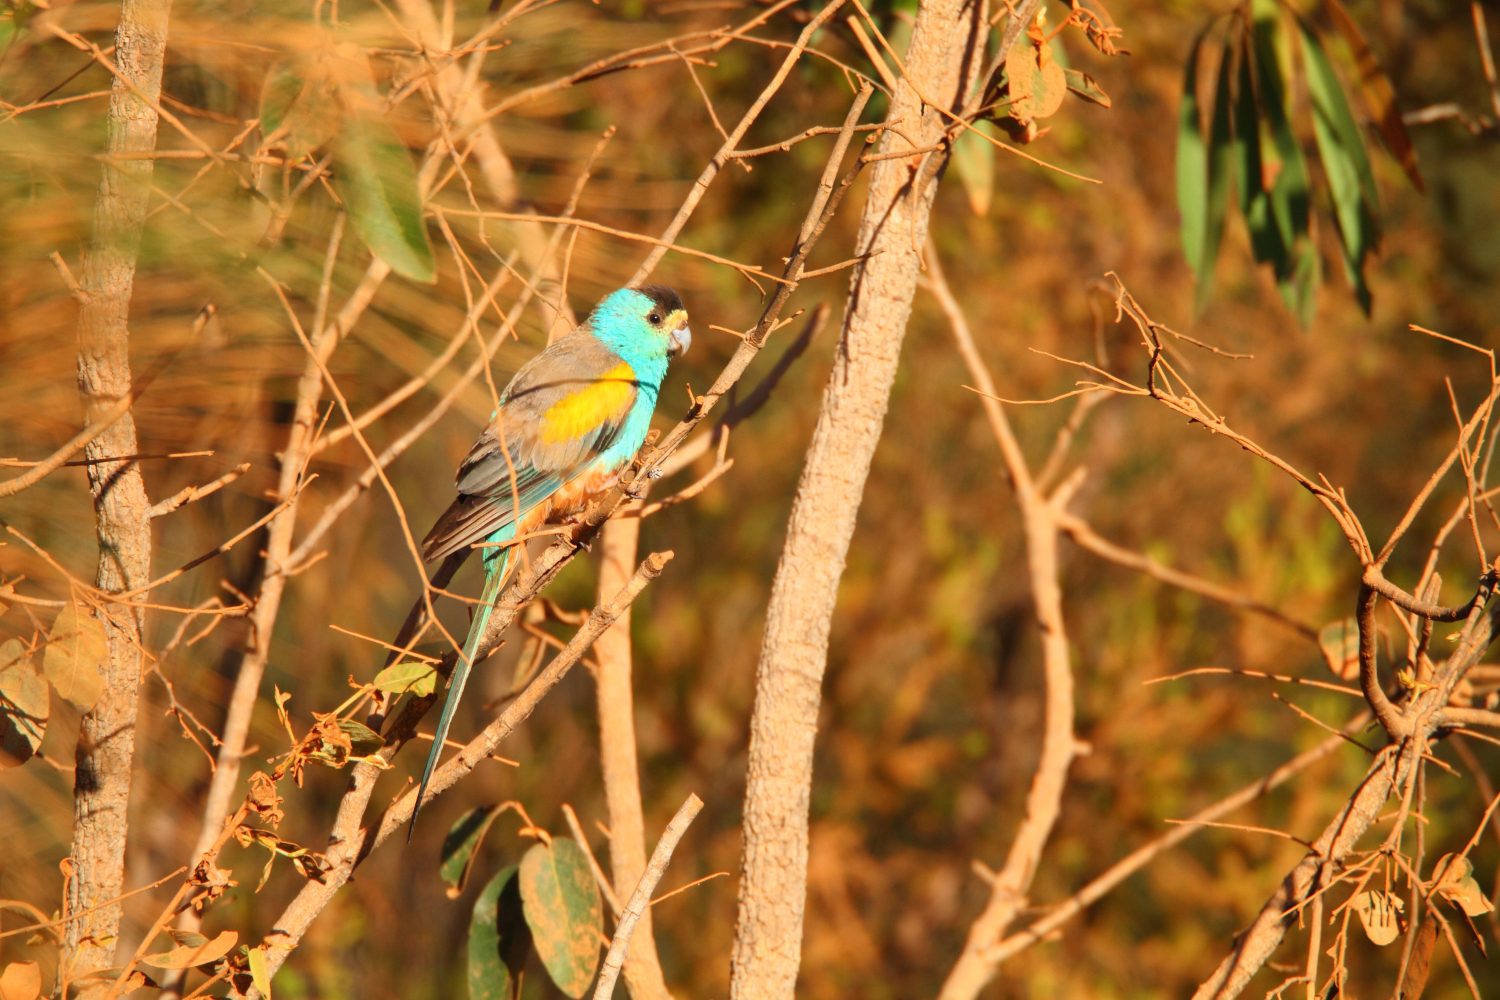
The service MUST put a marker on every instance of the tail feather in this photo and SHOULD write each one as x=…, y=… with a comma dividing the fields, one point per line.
x=493, y=581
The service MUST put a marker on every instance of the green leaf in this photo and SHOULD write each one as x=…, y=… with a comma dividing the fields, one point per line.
x=1266, y=239
x=412, y=677
x=1299, y=290
x=1192, y=162
x=277, y=95
x=366, y=740
x=1265, y=235
x=974, y=163
x=297, y=107
x=14, y=18
x=23, y=704
x=1279, y=231
x=1342, y=151
x=1291, y=192
x=1245, y=126
x=1203, y=168
x=499, y=939
x=461, y=846
x=1086, y=87
x=1378, y=94
x=564, y=913
x=75, y=654
x=375, y=178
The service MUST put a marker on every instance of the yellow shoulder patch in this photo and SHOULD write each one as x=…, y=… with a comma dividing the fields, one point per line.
x=578, y=413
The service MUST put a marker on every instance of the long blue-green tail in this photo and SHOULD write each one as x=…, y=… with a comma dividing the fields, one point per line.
x=494, y=578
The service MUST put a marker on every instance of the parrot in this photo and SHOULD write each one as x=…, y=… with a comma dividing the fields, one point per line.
x=568, y=423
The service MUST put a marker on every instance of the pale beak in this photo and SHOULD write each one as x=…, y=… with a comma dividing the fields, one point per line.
x=681, y=340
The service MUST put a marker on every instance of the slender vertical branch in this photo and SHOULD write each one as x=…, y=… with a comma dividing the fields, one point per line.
x=617, y=753
x=1041, y=521
x=768, y=937
x=277, y=563
x=106, y=740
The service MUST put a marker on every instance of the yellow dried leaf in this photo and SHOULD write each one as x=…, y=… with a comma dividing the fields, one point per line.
x=194, y=952
x=74, y=658
x=1380, y=913
x=21, y=981
x=1456, y=883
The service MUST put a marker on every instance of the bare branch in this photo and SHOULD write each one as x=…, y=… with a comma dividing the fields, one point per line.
x=640, y=899
x=1146, y=853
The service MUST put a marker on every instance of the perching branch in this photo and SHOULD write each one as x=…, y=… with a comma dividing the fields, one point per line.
x=346, y=854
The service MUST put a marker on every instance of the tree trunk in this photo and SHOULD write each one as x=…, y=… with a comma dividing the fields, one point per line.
x=106, y=743
x=946, y=45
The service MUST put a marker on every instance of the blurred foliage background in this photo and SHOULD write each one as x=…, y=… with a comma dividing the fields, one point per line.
x=932, y=698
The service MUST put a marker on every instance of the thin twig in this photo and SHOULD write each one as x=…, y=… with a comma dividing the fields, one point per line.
x=640, y=899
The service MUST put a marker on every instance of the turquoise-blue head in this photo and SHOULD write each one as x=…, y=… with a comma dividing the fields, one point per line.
x=647, y=320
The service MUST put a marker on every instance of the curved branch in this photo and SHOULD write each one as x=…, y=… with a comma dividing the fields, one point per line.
x=1377, y=582
x=1390, y=717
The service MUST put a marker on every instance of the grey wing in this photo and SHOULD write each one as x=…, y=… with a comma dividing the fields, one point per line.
x=514, y=465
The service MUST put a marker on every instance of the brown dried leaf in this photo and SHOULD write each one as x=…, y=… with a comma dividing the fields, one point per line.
x=313, y=866
x=105, y=988
x=24, y=705
x=263, y=798
x=209, y=882
x=1037, y=83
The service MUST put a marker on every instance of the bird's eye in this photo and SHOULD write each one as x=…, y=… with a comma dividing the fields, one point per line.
x=655, y=318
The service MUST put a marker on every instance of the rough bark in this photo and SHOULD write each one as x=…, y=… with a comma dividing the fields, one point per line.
x=768, y=936
x=106, y=742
